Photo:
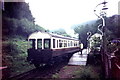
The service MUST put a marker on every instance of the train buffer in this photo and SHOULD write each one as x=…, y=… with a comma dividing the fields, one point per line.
x=78, y=59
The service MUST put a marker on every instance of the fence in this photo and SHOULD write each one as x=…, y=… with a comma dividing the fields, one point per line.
x=111, y=66
x=115, y=68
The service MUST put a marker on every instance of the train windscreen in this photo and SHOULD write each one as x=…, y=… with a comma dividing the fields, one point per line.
x=39, y=43
x=32, y=43
x=47, y=43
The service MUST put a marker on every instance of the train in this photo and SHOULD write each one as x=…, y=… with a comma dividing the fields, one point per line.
x=44, y=47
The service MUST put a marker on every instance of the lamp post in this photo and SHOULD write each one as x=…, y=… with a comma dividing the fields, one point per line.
x=89, y=35
x=102, y=16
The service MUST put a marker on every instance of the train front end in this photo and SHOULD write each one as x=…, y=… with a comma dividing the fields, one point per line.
x=39, y=51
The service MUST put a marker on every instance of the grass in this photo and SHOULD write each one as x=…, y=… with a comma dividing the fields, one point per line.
x=87, y=72
x=55, y=75
x=91, y=71
x=65, y=67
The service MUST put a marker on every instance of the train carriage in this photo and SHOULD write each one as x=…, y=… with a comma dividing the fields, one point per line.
x=44, y=47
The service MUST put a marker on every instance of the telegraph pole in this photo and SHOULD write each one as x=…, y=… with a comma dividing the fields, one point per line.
x=102, y=16
x=88, y=44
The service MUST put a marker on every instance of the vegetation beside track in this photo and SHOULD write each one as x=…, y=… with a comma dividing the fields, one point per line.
x=79, y=72
x=14, y=56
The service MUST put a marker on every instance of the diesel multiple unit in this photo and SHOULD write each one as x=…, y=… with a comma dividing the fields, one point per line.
x=44, y=47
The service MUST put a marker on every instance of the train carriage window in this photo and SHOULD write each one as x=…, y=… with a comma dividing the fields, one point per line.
x=32, y=43
x=39, y=43
x=53, y=43
x=71, y=43
x=60, y=43
x=47, y=43
x=75, y=43
x=68, y=43
x=65, y=44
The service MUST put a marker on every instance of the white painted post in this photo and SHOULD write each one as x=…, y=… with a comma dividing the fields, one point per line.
x=42, y=43
x=35, y=43
x=51, y=43
x=58, y=43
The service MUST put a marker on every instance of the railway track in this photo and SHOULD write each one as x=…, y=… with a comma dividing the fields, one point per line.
x=42, y=72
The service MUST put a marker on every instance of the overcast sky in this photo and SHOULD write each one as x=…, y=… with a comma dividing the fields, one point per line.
x=55, y=14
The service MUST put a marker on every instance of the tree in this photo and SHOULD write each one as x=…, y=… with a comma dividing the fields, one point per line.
x=82, y=31
x=21, y=27
x=61, y=32
x=18, y=20
x=17, y=10
x=112, y=28
x=95, y=41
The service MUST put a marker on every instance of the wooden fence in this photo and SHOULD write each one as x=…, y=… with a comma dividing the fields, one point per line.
x=111, y=66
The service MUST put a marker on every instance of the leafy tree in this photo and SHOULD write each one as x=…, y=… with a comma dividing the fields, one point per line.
x=82, y=31
x=95, y=42
x=61, y=32
x=17, y=10
x=113, y=25
x=112, y=28
x=17, y=24
x=21, y=27
x=18, y=20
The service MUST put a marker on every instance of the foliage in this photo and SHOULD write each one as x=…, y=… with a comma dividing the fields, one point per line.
x=18, y=20
x=55, y=75
x=95, y=42
x=87, y=73
x=112, y=28
x=113, y=45
x=17, y=24
x=21, y=27
x=83, y=29
x=61, y=32
x=112, y=32
x=113, y=25
x=14, y=56
x=17, y=10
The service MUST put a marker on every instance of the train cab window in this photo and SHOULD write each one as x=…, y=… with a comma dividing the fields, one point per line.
x=39, y=43
x=46, y=43
x=53, y=43
x=32, y=43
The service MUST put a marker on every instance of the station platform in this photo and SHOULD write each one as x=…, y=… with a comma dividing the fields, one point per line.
x=78, y=59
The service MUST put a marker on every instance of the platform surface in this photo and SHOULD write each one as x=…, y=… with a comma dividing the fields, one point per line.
x=78, y=59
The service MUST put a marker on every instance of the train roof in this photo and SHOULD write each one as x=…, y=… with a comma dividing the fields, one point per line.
x=39, y=34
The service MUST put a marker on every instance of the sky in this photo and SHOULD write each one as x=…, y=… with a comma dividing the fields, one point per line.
x=55, y=14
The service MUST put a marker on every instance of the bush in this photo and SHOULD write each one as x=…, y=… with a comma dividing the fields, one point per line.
x=14, y=56
x=87, y=73
x=55, y=75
